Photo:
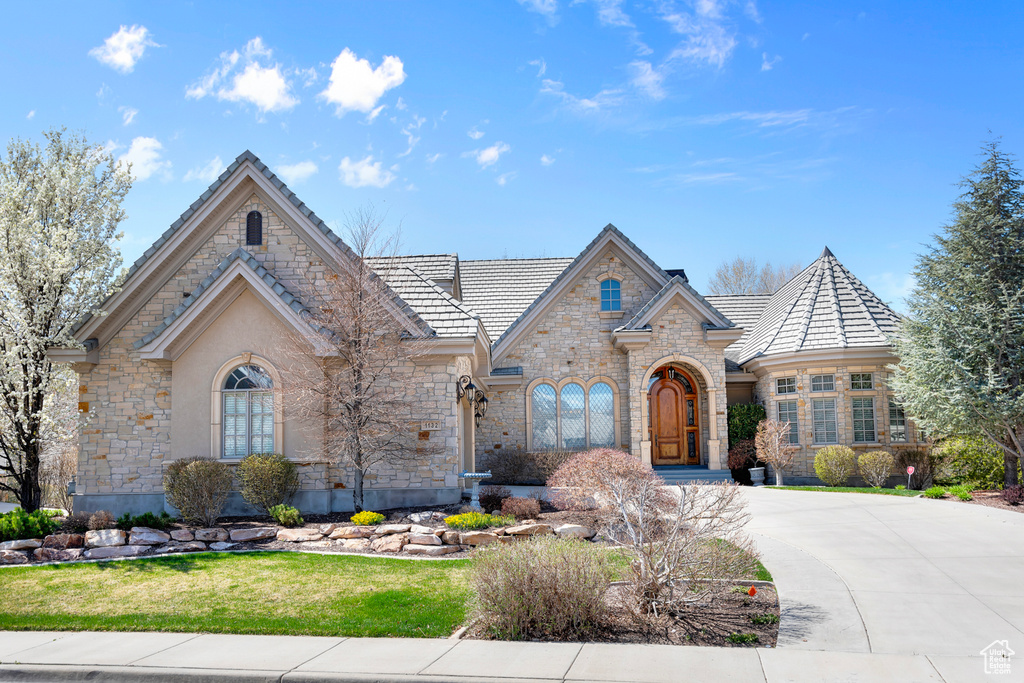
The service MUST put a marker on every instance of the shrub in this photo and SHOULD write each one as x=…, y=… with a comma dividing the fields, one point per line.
x=266, y=480
x=367, y=518
x=547, y=587
x=935, y=492
x=1014, y=495
x=743, y=420
x=516, y=466
x=773, y=446
x=198, y=488
x=965, y=459
x=471, y=521
x=147, y=519
x=875, y=467
x=77, y=523
x=101, y=519
x=18, y=524
x=521, y=508
x=925, y=464
x=286, y=515
x=742, y=454
x=742, y=638
x=835, y=464
x=962, y=491
x=592, y=475
x=491, y=497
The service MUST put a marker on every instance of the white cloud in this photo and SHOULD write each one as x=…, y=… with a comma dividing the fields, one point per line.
x=128, y=114
x=763, y=119
x=31, y=115
x=505, y=177
x=647, y=79
x=474, y=133
x=400, y=105
x=489, y=156
x=410, y=133
x=432, y=159
x=602, y=100
x=545, y=160
x=144, y=156
x=609, y=13
x=309, y=76
x=750, y=9
x=546, y=8
x=250, y=77
x=707, y=38
x=357, y=86
x=375, y=113
x=207, y=173
x=767, y=64
x=297, y=173
x=123, y=49
x=542, y=66
x=364, y=173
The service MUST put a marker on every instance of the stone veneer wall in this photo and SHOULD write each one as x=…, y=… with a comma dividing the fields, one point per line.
x=803, y=464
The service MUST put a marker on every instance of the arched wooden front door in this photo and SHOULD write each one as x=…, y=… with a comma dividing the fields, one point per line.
x=675, y=418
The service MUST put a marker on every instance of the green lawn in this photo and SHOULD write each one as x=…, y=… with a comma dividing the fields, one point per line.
x=848, y=489
x=266, y=593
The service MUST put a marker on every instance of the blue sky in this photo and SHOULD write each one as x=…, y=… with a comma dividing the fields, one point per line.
x=704, y=130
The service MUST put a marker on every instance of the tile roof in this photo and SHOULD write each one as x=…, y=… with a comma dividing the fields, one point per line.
x=824, y=307
x=662, y=293
x=437, y=267
x=446, y=315
x=743, y=309
x=500, y=290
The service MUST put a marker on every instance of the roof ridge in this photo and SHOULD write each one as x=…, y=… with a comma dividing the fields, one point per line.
x=837, y=309
x=445, y=295
x=676, y=280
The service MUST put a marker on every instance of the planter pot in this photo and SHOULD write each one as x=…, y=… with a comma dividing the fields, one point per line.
x=757, y=476
x=741, y=476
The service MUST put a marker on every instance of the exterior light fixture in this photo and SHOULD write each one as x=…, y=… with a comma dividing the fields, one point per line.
x=463, y=386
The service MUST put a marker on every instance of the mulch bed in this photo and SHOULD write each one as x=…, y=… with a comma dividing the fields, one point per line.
x=992, y=499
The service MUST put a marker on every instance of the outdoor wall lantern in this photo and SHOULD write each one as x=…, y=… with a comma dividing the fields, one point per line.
x=477, y=399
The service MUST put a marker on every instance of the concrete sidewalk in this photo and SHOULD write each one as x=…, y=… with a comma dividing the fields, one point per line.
x=174, y=657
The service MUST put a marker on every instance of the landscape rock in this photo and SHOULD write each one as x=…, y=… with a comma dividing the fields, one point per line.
x=509, y=539
x=45, y=554
x=141, y=535
x=529, y=530
x=212, y=534
x=21, y=544
x=573, y=531
x=356, y=543
x=420, y=529
x=415, y=549
x=424, y=539
x=352, y=532
x=421, y=517
x=104, y=538
x=104, y=552
x=327, y=529
x=181, y=547
x=182, y=535
x=13, y=557
x=298, y=535
x=253, y=534
x=64, y=541
x=450, y=537
x=392, y=543
x=385, y=529
x=477, y=538
x=221, y=545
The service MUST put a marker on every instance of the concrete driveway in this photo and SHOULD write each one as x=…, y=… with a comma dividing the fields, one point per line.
x=886, y=574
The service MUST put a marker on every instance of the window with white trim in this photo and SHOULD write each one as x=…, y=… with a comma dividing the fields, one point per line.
x=248, y=417
x=611, y=295
x=863, y=420
x=785, y=385
x=861, y=380
x=788, y=413
x=824, y=416
x=897, y=423
x=823, y=383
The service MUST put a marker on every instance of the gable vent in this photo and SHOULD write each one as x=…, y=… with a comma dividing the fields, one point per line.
x=254, y=228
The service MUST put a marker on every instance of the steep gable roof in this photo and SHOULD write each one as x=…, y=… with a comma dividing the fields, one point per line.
x=437, y=267
x=446, y=316
x=500, y=290
x=677, y=286
x=743, y=309
x=824, y=307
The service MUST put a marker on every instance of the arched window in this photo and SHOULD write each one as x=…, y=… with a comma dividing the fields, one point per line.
x=611, y=295
x=572, y=414
x=602, y=416
x=254, y=228
x=545, y=419
x=248, y=421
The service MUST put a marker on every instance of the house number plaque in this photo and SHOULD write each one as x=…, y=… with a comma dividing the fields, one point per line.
x=433, y=426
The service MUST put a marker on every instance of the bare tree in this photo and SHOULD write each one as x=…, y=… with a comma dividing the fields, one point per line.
x=348, y=377
x=774, y=447
x=745, y=276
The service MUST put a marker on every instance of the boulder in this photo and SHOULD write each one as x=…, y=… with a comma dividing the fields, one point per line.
x=64, y=541
x=433, y=550
x=181, y=547
x=385, y=529
x=450, y=537
x=182, y=535
x=22, y=544
x=356, y=544
x=141, y=535
x=253, y=534
x=421, y=517
x=352, y=532
x=298, y=535
x=573, y=531
x=424, y=539
x=221, y=545
x=13, y=557
x=45, y=554
x=477, y=538
x=212, y=534
x=420, y=529
x=104, y=552
x=327, y=529
x=392, y=543
x=104, y=538
x=509, y=539
x=529, y=530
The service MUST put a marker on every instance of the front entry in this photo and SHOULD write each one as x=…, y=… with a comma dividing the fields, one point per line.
x=675, y=418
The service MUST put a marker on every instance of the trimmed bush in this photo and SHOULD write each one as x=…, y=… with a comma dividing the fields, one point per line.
x=77, y=523
x=472, y=521
x=965, y=459
x=925, y=464
x=266, y=480
x=835, y=464
x=875, y=467
x=101, y=519
x=544, y=588
x=491, y=497
x=1014, y=495
x=743, y=420
x=367, y=518
x=198, y=488
x=18, y=524
x=147, y=519
x=521, y=508
x=286, y=515
x=935, y=492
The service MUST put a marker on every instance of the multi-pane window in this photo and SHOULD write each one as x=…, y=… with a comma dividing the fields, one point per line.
x=545, y=418
x=824, y=416
x=611, y=295
x=254, y=228
x=602, y=416
x=823, y=383
x=897, y=422
x=573, y=418
x=785, y=385
x=863, y=420
x=788, y=413
x=861, y=380
x=248, y=420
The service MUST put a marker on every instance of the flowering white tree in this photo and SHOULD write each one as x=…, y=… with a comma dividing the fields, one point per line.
x=60, y=207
